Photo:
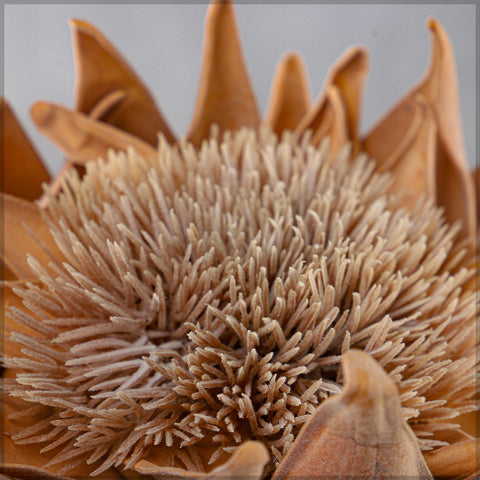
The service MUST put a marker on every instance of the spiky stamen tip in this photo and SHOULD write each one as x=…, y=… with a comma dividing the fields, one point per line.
x=207, y=298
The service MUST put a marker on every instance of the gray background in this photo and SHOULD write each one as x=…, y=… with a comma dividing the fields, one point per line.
x=163, y=43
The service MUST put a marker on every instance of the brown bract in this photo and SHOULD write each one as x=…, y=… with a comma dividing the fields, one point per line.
x=22, y=170
x=225, y=96
x=290, y=96
x=336, y=113
x=113, y=93
x=426, y=124
x=362, y=431
x=246, y=463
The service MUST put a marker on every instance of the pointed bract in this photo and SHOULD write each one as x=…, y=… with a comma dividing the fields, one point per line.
x=245, y=464
x=225, y=94
x=290, y=95
x=458, y=460
x=82, y=138
x=360, y=433
x=347, y=76
x=21, y=217
x=22, y=169
x=135, y=112
x=6, y=273
x=414, y=176
x=476, y=179
x=331, y=122
x=454, y=185
x=108, y=102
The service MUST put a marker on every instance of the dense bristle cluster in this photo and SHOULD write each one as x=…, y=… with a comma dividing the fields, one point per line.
x=206, y=298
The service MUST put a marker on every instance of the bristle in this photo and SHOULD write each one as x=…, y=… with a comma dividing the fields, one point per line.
x=212, y=296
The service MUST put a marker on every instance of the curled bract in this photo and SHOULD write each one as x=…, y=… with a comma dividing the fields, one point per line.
x=360, y=433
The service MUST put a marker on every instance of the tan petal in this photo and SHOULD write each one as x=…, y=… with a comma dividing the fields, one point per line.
x=225, y=95
x=245, y=464
x=456, y=191
x=360, y=433
x=83, y=138
x=454, y=461
x=476, y=179
x=454, y=185
x=414, y=175
x=348, y=76
x=388, y=139
x=101, y=108
x=290, y=95
x=439, y=86
x=470, y=423
x=26, y=472
x=20, y=218
x=331, y=121
x=23, y=171
x=452, y=435
x=103, y=76
x=6, y=273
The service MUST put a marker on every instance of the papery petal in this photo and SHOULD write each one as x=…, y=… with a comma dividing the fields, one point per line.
x=100, y=109
x=21, y=219
x=23, y=171
x=6, y=273
x=359, y=433
x=82, y=138
x=106, y=83
x=348, y=76
x=454, y=185
x=458, y=460
x=476, y=179
x=246, y=463
x=470, y=423
x=415, y=173
x=290, y=95
x=331, y=121
x=225, y=94
x=455, y=190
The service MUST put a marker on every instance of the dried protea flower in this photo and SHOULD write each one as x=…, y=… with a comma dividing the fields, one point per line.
x=253, y=300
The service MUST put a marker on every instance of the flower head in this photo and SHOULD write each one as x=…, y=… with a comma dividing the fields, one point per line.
x=188, y=309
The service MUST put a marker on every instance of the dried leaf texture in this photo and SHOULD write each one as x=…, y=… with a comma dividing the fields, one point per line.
x=290, y=95
x=207, y=298
x=360, y=433
x=460, y=460
x=26, y=233
x=336, y=113
x=82, y=138
x=245, y=464
x=394, y=138
x=225, y=95
x=22, y=170
x=112, y=92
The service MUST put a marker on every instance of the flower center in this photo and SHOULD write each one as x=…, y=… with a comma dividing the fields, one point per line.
x=208, y=299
